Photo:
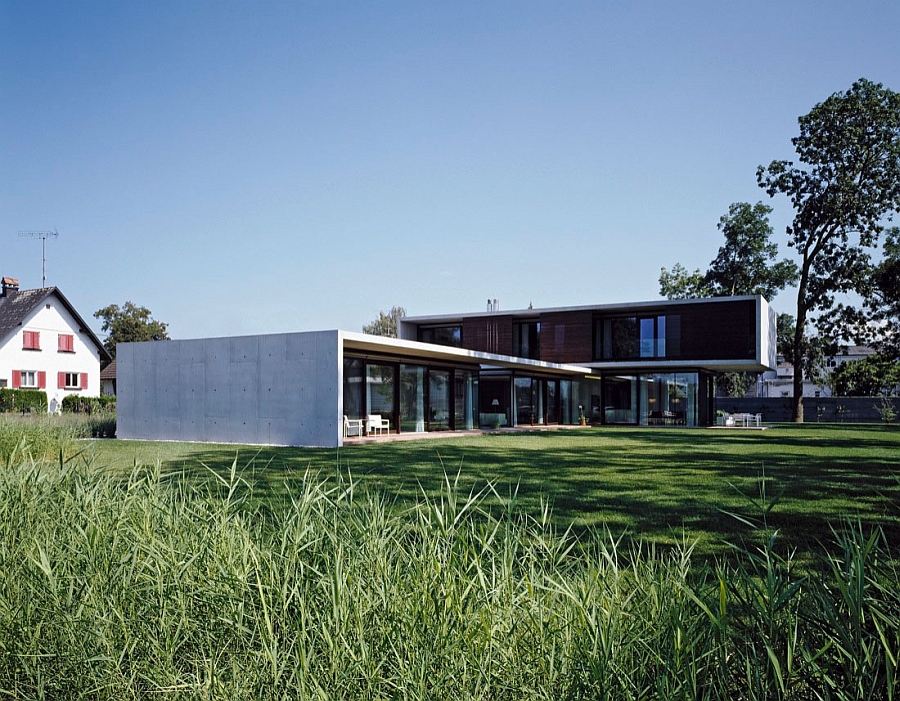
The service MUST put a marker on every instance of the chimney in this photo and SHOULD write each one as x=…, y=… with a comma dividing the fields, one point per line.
x=10, y=286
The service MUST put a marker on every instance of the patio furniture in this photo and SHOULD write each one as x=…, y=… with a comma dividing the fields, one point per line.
x=352, y=427
x=375, y=425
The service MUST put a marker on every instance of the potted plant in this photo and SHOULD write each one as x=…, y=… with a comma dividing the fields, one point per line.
x=582, y=419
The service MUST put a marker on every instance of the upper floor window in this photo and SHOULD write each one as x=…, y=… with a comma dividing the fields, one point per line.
x=633, y=337
x=66, y=343
x=31, y=340
x=527, y=339
x=441, y=335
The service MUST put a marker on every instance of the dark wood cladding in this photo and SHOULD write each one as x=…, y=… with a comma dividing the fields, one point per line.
x=488, y=334
x=725, y=330
x=567, y=337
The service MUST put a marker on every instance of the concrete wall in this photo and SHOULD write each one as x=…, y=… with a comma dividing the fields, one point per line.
x=280, y=389
x=824, y=409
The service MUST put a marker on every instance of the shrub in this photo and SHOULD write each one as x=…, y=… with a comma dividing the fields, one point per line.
x=22, y=400
x=76, y=403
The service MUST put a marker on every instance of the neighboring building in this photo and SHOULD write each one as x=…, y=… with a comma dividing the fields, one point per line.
x=649, y=363
x=108, y=380
x=46, y=345
x=780, y=381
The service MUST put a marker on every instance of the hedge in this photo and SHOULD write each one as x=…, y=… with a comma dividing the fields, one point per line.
x=75, y=403
x=22, y=400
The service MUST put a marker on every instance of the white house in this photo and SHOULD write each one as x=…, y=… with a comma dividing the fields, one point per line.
x=46, y=345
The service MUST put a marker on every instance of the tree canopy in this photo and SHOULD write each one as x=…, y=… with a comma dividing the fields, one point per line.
x=386, y=324
x=129, y=323
x=874, y=376
x=680, y=283
x=875, y=321
x=748, y=262
x=745, y=265
x=844, y=189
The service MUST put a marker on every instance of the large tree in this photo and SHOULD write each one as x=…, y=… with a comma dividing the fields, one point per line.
x=386, y=324
x=875, y=320
x=747, y=263
x=129, y=323
x=844, y=188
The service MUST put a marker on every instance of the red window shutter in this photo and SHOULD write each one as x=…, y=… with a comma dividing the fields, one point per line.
x=84, y=381
x=42, y=379
x=61, y=380
x=31, y=340
x=65, y=342
x=16, y=379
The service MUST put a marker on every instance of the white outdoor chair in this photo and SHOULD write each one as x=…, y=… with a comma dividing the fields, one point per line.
x=377, y=425
x=352, y=427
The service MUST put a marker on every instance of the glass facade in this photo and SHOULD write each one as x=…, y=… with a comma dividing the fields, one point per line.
x=413, y=397
x=441, y=335
x=465, y=399
x=669, y=399
x=380, y=390
x=527, y=339
x=439, y=400
x=354, y=382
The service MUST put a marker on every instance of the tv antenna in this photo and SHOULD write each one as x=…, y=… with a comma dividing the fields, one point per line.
x=43, y=236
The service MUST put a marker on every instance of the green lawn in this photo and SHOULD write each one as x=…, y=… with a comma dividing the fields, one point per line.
x=661, y=485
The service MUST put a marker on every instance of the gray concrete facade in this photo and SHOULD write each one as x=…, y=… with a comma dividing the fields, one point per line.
x=279, y=389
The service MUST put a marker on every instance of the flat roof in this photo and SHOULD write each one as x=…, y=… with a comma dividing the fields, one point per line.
x=616, y=306
x=365, y=343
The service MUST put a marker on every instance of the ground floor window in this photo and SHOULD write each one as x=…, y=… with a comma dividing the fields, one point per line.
x=412, y=397
x=656, y=399
x=669, y=399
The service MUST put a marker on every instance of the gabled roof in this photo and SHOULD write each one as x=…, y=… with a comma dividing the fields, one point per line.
x=109, y=372
x=18, y=304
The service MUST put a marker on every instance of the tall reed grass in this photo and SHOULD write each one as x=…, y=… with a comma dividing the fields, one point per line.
x=151, y=586
x=44, y=436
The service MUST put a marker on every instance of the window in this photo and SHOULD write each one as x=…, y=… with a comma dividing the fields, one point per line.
x=31, y=340
x=442, y=335
x=72, y=380
x=66, y=343
x=29, y=379
x=527, y=339
x=632, y=337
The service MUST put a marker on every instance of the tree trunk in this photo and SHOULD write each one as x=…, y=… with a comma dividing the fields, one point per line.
x=799, y=346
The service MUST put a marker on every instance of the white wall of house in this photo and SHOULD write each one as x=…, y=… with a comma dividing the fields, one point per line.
x=50, y=320
x=279, y=389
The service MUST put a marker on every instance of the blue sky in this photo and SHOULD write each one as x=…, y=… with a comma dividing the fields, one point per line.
x=267, y=167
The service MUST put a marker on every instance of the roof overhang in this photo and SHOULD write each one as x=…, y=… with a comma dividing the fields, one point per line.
x=658, y=365
x=414, y=350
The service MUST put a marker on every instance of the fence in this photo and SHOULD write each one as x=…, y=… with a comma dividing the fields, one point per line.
x=823, y=409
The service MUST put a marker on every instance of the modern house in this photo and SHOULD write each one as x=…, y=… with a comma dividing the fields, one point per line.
x=648, y=363
x=46, y=345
